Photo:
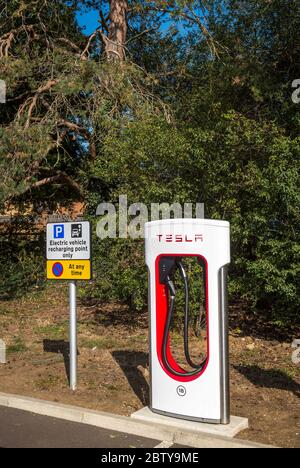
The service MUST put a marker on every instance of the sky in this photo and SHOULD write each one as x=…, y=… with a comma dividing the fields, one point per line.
x=89, y=20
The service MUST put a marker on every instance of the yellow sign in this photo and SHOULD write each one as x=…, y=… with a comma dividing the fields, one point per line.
x=69, y=270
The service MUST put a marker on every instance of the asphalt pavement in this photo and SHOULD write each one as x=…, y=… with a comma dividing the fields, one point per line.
x=21, y=429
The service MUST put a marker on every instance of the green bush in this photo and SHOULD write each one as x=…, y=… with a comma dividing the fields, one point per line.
x=244, y=171
x=24, y=265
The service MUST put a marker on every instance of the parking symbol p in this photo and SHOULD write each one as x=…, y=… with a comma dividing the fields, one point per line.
x=59, y=231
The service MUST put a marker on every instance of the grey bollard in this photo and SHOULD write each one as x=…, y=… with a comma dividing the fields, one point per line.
x=2, y=352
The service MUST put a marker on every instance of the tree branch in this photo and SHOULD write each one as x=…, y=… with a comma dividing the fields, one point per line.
x=86, y=49
x=82, y=131
x=193, y=18
x=60, y=178
x=70, y=43
x=146, y=31
x=103, y=21
x=7, y=39
x=41, y=90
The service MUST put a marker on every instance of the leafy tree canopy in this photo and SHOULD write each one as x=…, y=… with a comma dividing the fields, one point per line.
x=165, y=101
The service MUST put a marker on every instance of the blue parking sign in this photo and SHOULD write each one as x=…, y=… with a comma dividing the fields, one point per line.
x=59, y=231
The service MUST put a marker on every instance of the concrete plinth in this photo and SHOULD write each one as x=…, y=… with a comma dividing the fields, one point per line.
x=2, y=352
x=236, y=425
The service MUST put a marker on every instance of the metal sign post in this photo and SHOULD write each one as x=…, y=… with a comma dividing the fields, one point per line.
x=68, y=253
x=73, y=335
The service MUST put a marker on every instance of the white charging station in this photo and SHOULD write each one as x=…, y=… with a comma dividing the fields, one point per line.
x=203, y=393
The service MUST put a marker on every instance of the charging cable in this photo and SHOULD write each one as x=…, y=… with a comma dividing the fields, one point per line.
x=172, y=294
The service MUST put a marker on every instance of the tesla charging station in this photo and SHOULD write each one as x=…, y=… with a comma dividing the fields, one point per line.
x=196, y=390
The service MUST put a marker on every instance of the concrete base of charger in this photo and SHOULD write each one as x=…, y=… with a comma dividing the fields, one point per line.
x=236, y=425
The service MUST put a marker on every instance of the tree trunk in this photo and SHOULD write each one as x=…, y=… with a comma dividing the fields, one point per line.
x=117, y=31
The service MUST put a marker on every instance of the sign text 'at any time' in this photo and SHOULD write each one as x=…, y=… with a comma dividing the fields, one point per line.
x=68, y=250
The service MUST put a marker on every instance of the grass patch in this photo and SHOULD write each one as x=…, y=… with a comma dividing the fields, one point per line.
x=17, y=347
x=53, y=331
x=140, y=339
x=110, y=387
x=100, y=343
x=48, y=383
x=291, y=372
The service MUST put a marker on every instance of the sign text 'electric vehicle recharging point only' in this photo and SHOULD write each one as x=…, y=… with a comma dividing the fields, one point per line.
x=187, y=261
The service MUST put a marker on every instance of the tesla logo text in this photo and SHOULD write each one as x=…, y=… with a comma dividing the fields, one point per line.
x=180, y=238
